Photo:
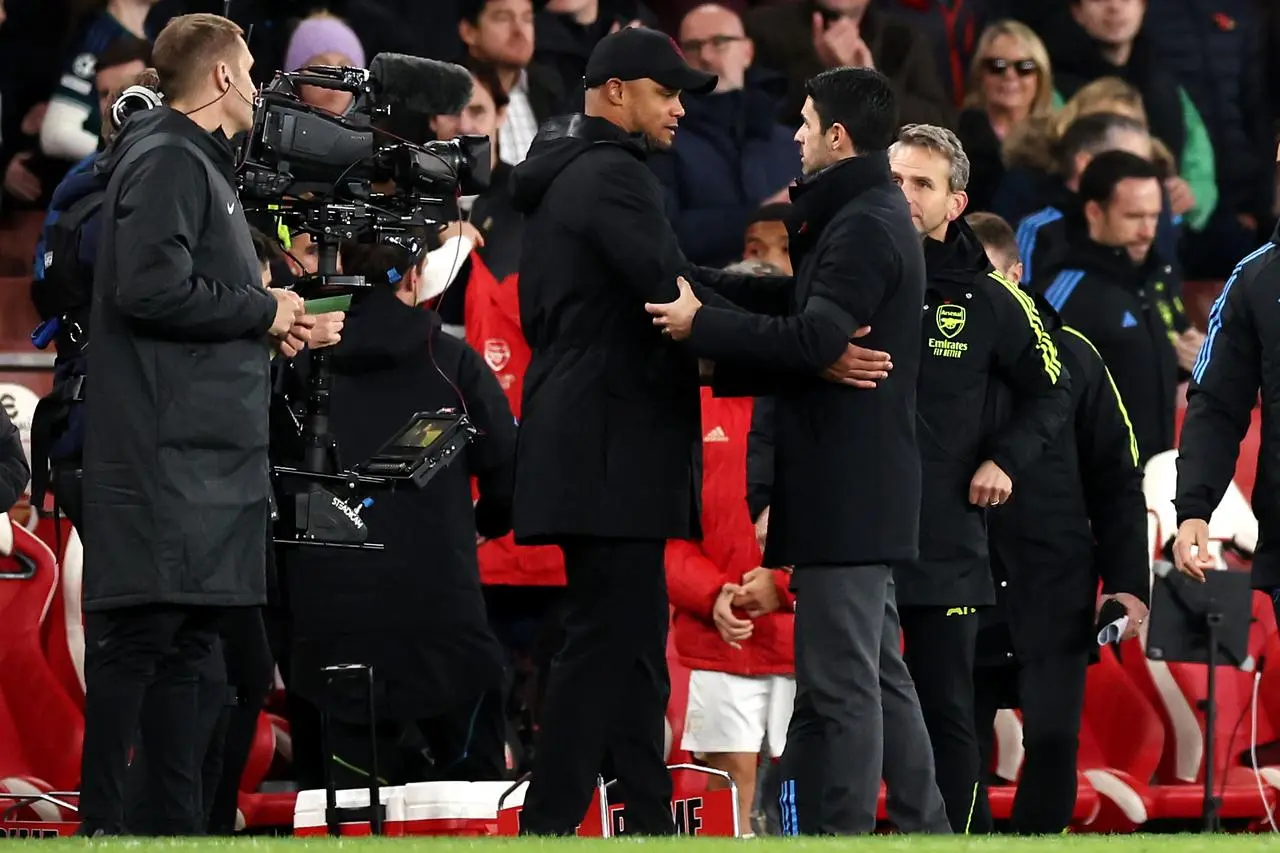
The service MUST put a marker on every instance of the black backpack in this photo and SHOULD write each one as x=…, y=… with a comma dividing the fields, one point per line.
x=62, y=290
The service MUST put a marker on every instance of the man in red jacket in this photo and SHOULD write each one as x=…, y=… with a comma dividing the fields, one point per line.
x=742, y=685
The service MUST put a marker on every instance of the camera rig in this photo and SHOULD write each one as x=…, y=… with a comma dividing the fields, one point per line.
x=341, y=178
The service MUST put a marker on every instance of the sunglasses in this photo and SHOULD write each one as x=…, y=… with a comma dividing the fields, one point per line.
x=1021, y=67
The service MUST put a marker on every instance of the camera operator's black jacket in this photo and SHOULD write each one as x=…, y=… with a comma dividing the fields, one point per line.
x=1238, y=361
x=1076, y=516
x=414, y=612
x=978, y=329
x=175, y=457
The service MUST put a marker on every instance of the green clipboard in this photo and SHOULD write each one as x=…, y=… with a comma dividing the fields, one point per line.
x=328, y=304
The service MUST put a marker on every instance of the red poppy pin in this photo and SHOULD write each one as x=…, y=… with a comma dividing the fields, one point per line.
x=1224, y=22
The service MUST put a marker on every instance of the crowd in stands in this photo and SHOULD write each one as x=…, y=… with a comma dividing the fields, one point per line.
x=1036, y=90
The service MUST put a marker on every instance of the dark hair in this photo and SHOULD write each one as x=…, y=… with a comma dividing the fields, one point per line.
x=122, y=51
x=778, y=211
x=1091, y=134
x=994, y=233
x=861, y=100
x=471, y=10
x=1108, y=169
x=487, y=76
x=382, y=263
x=264, y=247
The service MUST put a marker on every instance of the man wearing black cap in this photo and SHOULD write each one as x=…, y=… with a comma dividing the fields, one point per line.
x=611, y=426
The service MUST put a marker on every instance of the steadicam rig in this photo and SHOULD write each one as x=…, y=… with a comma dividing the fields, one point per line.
x=342, y=178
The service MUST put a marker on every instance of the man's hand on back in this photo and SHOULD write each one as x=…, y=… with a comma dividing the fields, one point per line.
x=860, y=367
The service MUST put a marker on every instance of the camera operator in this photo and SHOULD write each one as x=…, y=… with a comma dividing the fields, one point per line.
x=175, y=478
x=414, y=612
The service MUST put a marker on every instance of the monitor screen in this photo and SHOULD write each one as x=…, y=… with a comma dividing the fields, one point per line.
x=422, y=434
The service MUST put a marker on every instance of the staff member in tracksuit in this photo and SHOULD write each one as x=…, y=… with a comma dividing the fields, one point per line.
x=1076, y=518
x=978, y=328
x=1114, y=287
x=1235, y=364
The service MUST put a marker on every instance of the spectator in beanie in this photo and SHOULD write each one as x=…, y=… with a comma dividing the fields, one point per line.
x=324, y=40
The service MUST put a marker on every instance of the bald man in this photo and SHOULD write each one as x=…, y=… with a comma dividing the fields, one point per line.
x=730, y=155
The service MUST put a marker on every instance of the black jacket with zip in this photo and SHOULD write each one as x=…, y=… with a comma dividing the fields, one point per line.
x=1076, y=518
x=1133, y=313
x=978, y=328
x=1236, y=363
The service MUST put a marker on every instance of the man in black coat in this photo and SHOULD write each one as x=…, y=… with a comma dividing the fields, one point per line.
x=1077, y=517
x=846, y=502
x=175, y=459
x=610, y=437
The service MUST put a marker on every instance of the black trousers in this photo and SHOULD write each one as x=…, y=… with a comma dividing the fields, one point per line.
x=941, y=644
x=1050, y=693
x=607, y=692
x=464, y=744
x=153, y=654
x=250, y=671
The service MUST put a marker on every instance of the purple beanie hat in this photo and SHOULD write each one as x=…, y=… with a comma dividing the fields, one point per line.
x=315, y=36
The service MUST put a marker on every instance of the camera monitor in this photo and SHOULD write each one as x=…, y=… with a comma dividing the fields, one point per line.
x=420, y=449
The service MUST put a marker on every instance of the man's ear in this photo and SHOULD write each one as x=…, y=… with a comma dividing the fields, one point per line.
x=1014, y=272
x=467, y=32
x=956, y=206
x=615, y=91
x=1093, y=213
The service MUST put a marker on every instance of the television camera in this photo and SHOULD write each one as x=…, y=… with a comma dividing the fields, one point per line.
x=348, y=178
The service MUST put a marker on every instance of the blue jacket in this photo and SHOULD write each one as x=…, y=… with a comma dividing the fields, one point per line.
x=78, y=183
x=728, y=157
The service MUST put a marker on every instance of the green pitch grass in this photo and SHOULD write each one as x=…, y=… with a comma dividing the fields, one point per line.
x=874, y=844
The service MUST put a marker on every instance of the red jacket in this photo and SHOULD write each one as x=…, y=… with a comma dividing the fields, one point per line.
x=696, y=571
x=493, y=330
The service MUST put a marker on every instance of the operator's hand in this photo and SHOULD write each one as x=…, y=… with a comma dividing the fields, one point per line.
x=733, y=630
x=1191, y=549
x=990, y=486
x=1134, y=609
x=289, y=307
x=327, y=330
x=299, y=335
x=860, y=367
x=759, y=593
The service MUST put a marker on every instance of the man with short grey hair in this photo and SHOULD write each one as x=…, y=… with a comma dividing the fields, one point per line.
x=979, y=332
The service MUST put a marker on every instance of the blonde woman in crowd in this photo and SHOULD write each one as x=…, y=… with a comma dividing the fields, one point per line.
x=1010, y=82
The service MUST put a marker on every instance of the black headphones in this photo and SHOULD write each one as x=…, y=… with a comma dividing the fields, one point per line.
x=416, y=249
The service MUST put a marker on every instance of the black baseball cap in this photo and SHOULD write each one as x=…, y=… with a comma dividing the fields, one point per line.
x=639, y=53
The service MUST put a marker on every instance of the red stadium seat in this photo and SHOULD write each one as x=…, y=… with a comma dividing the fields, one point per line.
x=46, y=724
x=1121, y=741
x=62, y=634
x=1175, y=690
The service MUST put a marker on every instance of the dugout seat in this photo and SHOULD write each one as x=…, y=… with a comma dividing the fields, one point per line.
x=264, y=809
x=62, y=634
x=1174, y=691
x=46, y=724
x=1232, y=522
